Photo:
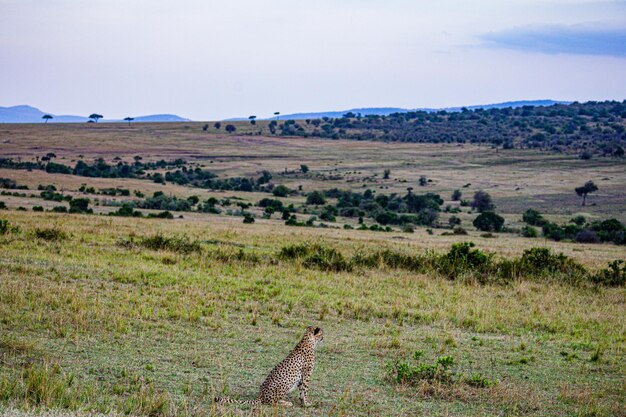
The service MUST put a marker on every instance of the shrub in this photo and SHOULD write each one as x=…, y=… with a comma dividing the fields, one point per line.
x=407, y=373
x=462, y=259
x=6, y=227
x=315, y=198
x=418, y=373
x=126, y=210
x=59, y=209
x=529, y=231
x=459, y=231
x=281, y=191
x=533, y=218
x=614, y=275
x=454, y=221
x=542, y=263
x=37, y=208
x=50, y=234
x=162, y=215
x=316, y=255
x=489, y=222
x=248, y=219
x=80, y=205
x=173, y=244
x=482, y=202
x=587, y=236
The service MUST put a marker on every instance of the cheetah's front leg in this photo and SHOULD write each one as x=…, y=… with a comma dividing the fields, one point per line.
x=303, y=387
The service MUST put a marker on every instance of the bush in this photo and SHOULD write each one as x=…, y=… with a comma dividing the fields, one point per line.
x=315, y=255
x=3, y=206
x=462, y=259
x=37, y=208
x=50, y=234
x=541, y=262
x=173, y=244
x=482, y=202
x=162, y=215
x=459, y=231
x=587, y=236
x=80, y=205
x=533, y=218
x=614, y=275
x=59, y=209
x=529, y=231
x=419, y=373
x=315, y=198
x=489, y=222
x=454, y=221
x=126, y=210
x=6, y=227
x=281, y=191
x=248, y=219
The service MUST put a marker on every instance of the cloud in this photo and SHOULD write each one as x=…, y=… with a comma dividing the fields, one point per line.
x=576, y=40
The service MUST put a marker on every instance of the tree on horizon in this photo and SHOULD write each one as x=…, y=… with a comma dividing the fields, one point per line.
x=129, y=119
x=47, y=117
x=586, y=189
x=95, y=117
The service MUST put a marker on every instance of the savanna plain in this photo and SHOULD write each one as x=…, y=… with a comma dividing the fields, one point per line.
x=128, y=315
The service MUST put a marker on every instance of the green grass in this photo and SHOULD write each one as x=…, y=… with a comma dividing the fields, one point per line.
x=89, y=324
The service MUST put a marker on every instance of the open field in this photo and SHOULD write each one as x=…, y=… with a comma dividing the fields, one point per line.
x=92, y=321
x=517, y=179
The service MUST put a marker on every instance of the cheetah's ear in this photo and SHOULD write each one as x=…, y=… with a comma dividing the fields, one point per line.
x=317, y=330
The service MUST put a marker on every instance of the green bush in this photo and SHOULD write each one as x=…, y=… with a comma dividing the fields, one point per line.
x=173, y=244
x=416, y=372
x=6, y=227
x=462, y=259
x=533, y=218
x=489, y=221
x=316, y=255
x=529, y=231
x=614, y=275
x=80, y=205
x=50, y=234
x=315, y=198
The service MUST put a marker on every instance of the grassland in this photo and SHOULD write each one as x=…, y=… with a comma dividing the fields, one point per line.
x=91, y=323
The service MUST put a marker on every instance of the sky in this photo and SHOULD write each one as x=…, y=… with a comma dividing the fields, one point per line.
x=209, y=59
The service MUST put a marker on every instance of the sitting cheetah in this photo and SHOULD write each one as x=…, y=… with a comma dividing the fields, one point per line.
x=294, y=370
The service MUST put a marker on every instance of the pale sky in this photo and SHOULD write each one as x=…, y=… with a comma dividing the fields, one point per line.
x=209, y=59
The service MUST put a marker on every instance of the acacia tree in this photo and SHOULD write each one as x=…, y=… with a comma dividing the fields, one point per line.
x=482, y=202
x=129, y=119
x=277, y=114
x=217, y=125
x=95, y=117
x=47, y=117
x=586, y=189
x=252, y=120
x=230, y=128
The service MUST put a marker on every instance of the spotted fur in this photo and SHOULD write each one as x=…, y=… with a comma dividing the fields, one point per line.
x=294, y=371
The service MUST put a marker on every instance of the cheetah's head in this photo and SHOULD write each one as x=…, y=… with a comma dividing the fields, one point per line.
x=316, y=334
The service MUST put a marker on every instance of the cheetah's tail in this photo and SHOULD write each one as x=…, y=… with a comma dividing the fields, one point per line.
x=226, y=400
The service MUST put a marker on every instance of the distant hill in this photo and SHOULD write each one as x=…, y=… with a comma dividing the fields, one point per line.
x=29, y=114
x=385, y=111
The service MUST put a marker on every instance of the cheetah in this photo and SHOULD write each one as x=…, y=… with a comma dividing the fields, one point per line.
x=294, y=370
